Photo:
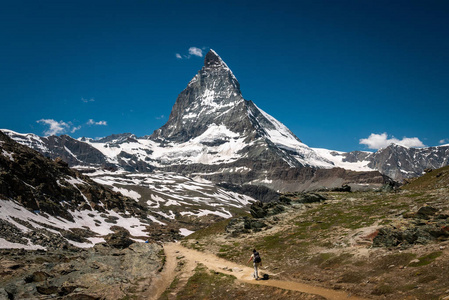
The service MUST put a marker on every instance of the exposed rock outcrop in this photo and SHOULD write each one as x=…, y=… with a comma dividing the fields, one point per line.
x=101, y=272
x=263, y=215
x=424, y=226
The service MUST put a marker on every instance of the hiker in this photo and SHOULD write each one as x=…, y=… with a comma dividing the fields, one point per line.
x=257, y=261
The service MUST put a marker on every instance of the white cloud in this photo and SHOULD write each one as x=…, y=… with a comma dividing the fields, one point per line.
x=377, y=141
x=63, y=127
x=160, y=117
x=193, y=51
x=444, y=141
x=92, y=122
x=87, y=100
x=75, y=129
x=55, y=126
x=196, y=51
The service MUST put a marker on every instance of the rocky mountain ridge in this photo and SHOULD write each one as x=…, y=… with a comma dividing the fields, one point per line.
x=134, y=154
x=395, y=161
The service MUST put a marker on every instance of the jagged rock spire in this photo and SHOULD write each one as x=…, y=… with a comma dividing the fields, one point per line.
x=213, y=60
x=212, y=111
x=213, y=91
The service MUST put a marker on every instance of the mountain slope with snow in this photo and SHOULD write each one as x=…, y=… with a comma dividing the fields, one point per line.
x=44, y=204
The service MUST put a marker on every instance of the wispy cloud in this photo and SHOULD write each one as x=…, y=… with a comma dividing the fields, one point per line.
x=444, y=141
x=160, y=117
x=196, y=51
x=85, y=100
x=61, y=127
x=377, y=141
x=75, y=129
x=193, y=51
x=55, y=126
x=92, y=122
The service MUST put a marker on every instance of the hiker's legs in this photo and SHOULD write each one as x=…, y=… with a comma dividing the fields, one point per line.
x=256, y=271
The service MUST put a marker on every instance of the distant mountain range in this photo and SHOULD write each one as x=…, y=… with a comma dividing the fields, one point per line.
x=214, y=133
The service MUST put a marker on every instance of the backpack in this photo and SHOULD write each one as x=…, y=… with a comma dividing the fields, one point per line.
x=257, y=258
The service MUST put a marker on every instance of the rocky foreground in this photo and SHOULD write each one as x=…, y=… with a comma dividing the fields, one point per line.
x=116, y=269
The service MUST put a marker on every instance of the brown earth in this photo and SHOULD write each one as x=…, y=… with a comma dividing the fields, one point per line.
x=243, y=273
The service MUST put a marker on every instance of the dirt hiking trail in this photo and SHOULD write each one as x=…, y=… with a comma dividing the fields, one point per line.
x=191, y=258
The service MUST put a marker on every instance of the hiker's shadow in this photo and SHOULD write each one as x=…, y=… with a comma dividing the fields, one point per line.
x=265, y=277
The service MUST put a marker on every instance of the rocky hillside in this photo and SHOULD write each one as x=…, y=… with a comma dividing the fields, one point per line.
x=433, y=179
x=40, y=197
x=35, y=181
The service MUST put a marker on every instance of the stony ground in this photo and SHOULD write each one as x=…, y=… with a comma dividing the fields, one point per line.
x=101, y=272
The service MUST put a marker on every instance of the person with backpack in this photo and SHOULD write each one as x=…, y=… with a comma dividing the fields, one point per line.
x=257, y=261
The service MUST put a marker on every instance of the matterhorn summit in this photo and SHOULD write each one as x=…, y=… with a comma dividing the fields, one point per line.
x=212, y=111
x=212, y=97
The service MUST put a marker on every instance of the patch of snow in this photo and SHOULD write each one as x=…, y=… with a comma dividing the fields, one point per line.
x=129, y=193
x=84, y=218
x=185, y=231
x=4, y=244
x=153, y=219
x=70, y=152
x=73, y=181
x=204, y=212
x=170, y=216
x=7, y=154
x=337, y=158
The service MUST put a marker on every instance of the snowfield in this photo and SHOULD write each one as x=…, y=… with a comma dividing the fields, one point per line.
x=94, y=220
x=337, y=157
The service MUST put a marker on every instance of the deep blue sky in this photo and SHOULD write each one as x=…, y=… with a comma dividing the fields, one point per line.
x=334, y=72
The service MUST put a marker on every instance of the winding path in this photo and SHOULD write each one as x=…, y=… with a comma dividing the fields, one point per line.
x=175, y=251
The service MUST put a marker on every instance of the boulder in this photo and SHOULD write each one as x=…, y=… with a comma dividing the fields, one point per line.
x=241, y=225
x=120, y=239
x=426, y=212
x=310, y=198
x=261, y=210
x=343, y=188
x=38, y=276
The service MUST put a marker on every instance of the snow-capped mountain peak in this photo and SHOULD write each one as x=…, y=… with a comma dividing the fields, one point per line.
x=213, y=103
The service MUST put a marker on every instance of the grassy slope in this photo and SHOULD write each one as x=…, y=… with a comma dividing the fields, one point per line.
x=433, y=180
x=328, y=244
